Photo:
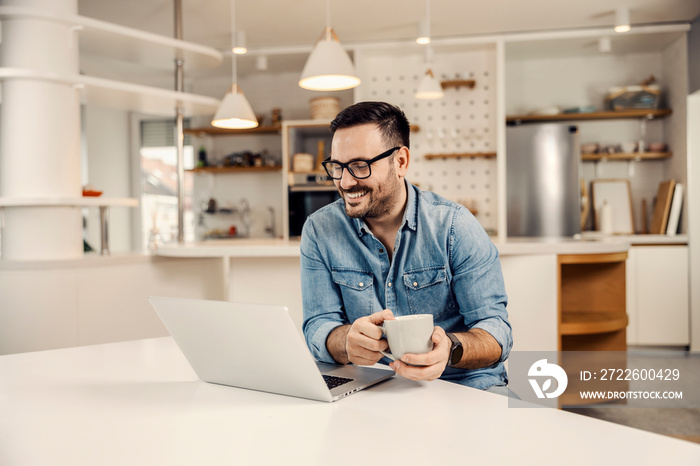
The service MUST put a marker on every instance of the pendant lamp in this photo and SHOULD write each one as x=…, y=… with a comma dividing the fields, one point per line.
x=328, y=67
x=429, y=87
x=234, y=111
x=622, y=20
x=424, y=27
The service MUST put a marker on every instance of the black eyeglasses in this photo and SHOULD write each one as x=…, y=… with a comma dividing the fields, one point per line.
x=360, y=169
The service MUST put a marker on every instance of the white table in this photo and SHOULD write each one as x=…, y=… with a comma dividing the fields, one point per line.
x=140, y=403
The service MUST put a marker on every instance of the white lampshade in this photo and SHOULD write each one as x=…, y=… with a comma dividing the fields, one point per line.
x=240, y=48
x=622, y=20
x=429, y=88
x=235, y=111
x=329, y=67
x=423, y=37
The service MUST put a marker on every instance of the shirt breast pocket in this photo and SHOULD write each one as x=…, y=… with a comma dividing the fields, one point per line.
x=429, y=291
x=357, y=291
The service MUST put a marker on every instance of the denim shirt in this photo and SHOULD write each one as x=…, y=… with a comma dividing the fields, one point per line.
x=443, y=264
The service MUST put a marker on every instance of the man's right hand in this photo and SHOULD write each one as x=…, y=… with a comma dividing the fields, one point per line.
x=364, y=339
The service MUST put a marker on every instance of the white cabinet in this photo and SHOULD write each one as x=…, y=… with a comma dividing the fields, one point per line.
x=657, y=295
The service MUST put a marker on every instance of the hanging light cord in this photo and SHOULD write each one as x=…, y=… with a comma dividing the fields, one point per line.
x=234, y=71
x=427, y=17
x=328, y=21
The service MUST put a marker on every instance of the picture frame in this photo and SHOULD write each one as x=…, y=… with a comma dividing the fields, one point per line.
x=618, y=194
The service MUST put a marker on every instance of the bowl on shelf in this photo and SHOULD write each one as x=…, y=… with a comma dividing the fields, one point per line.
x=657, y=147
x=91, y=193
x=590, y=147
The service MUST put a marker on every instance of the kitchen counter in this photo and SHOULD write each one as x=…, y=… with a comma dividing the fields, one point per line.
x=290, y=248
x=244, y=247
x=588, y=243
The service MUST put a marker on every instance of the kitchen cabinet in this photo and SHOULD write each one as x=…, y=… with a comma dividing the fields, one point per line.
x=307, y=188
x=658, y=303
x=592, y=302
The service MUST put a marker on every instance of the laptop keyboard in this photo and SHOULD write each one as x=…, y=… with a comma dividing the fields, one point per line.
x=333, y=381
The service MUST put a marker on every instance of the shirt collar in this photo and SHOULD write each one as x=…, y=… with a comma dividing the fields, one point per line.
x=409, y=215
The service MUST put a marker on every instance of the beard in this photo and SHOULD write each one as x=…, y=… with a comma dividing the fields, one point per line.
x=379, y=202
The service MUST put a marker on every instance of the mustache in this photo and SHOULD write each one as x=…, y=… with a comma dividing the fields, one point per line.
x=354, y=189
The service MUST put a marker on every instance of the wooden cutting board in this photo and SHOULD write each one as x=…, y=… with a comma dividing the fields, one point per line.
x=659, y=218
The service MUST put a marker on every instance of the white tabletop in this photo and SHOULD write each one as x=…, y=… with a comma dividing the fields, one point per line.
x=139, y=403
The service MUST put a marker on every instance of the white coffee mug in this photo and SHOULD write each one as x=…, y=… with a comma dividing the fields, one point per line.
x=408, y=335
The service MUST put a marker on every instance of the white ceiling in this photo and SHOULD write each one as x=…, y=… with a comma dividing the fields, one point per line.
x=298, y=23
x=272, y=23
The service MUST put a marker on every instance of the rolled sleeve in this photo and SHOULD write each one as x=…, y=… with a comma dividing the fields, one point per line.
x=478, y=281
x=321, y=299
x=500, y=330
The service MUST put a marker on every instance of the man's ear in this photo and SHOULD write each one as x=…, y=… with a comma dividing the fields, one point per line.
x=401, y=161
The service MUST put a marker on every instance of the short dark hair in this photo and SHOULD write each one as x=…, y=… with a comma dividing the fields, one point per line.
x=391, y=120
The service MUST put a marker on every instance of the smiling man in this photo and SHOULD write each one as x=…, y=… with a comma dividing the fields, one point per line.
x=386, y=249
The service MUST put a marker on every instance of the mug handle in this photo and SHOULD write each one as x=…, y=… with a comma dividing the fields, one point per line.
x=386, y=353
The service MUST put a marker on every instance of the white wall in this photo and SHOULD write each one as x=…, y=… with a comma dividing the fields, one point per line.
x=98, y=300
x=694, y=217
x=109, y=170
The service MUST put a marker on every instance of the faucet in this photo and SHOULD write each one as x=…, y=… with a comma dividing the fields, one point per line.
x=271, y=228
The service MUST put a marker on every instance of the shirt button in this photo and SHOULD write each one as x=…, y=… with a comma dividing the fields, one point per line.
x=381, y=250
x=361, y=284
x=389, y=285
x=415, y=283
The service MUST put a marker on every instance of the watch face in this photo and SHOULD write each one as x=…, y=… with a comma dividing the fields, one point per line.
x=457, y=349
x=457, y=354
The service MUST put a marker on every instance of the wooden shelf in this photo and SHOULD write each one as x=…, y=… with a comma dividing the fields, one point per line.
x=235, y=169
x=609, y=115
x=457, y=83
x=585, y=323
x=464, y=155
x=627, y=156
x=213, y=131
x=592, y=302
x=603, y=258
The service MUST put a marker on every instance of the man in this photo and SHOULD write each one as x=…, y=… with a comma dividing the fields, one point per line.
x=387, y=248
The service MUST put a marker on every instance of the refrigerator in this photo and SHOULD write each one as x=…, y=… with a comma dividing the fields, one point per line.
x=542, y=180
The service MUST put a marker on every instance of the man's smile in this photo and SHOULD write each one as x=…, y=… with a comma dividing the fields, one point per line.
x=355, y=195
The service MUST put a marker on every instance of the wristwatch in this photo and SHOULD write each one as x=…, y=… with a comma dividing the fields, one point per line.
x=456, y=350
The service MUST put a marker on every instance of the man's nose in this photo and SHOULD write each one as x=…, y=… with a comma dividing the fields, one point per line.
x=347, y=180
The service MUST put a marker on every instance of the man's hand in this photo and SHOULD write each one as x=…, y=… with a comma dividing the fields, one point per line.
x=427, y=366
x=364, y=339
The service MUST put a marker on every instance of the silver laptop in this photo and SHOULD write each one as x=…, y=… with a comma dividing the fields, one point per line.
x=257, y=347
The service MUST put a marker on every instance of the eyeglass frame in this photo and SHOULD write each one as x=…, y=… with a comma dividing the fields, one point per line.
x=344, y=166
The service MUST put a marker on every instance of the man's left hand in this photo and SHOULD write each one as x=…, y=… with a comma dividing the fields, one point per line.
x=427, y=366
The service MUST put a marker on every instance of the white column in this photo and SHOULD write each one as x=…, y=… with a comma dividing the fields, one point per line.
x=40, y=135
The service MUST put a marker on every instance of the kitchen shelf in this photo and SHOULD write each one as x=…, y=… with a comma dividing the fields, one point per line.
x=464, y=155
x=301, y=188
x=457, y=83
x=627, y=156
x=585, y=323
x=121, y=95
x=273, y=168
x=592, y=302
x=605, y=115
x=213, y=131
x=103, y=39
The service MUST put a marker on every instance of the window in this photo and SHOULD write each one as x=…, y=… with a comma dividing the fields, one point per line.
x=158, y=156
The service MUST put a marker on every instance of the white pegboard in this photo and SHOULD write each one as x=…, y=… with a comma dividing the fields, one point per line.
x=464, y=121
